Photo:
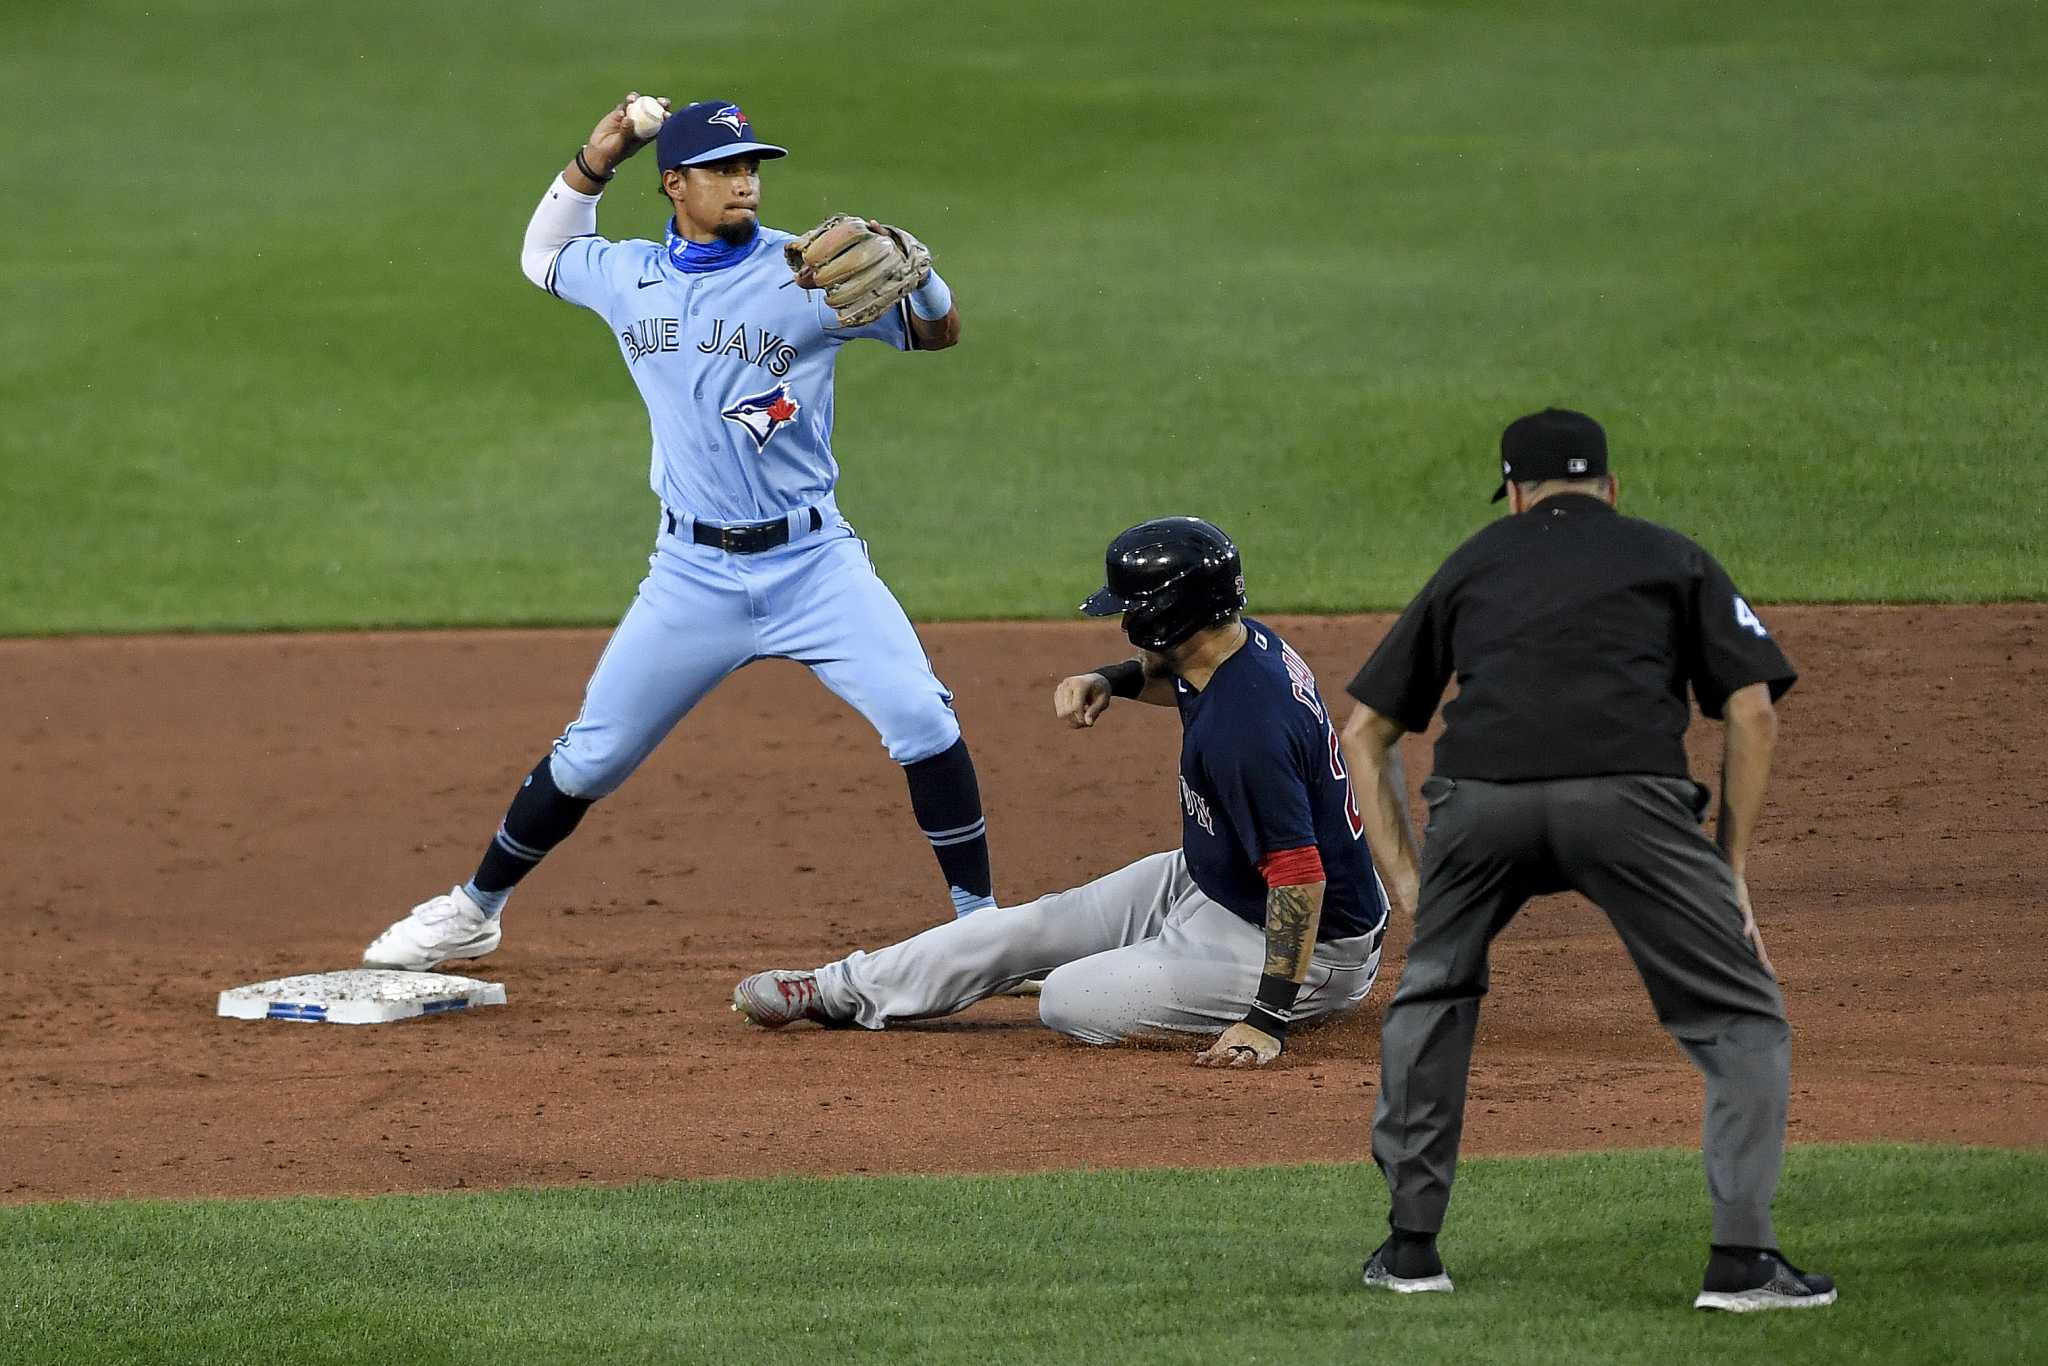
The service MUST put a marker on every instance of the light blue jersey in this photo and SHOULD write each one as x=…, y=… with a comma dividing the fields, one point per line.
x=751, y=560
x=735, y=366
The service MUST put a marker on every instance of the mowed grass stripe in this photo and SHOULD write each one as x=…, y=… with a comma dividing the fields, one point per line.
x=1287, y=266
x=1940, y=1253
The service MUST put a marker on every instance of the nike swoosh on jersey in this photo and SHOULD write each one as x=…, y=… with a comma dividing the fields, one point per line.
x=655, y=281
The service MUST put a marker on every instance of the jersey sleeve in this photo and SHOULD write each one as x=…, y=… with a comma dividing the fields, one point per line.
x=579, y=272
x=1405, y=677
x=1260, y=782
x=892, y=327
x=1730, y=648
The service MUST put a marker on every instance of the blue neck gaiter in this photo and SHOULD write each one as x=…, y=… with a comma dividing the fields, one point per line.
x=696, y=258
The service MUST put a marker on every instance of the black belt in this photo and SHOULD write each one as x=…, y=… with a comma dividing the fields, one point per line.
x=749, y=538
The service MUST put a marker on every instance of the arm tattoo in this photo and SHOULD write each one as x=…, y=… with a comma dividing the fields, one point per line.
x=1292, y=914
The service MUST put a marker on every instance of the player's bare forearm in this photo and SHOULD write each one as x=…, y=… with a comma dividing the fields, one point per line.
x=1372, y=756
x=575, y=179
x=1750, y=734
x=1292, y=916
x=1158, y=690
x=610, y=143
x=936, y=334
x=1081, y=699
x=1293, y=913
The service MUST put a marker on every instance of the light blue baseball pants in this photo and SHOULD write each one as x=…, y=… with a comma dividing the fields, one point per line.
x=703, y=612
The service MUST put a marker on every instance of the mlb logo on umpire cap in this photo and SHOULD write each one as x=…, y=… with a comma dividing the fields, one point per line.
x=709, y=130
x=1556, y=443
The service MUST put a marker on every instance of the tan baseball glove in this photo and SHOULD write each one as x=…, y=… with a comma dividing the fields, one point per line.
x=863, y=266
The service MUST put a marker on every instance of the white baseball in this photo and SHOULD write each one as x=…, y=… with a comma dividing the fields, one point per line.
x=646, y=115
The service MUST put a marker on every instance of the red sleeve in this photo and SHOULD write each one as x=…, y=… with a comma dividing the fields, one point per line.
x=1293, y=867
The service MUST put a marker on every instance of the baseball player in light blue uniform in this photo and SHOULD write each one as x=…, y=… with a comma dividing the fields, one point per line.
x=752, y=559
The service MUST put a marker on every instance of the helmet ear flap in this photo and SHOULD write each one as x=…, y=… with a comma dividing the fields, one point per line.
x=1163, y=620
x=1153, y=624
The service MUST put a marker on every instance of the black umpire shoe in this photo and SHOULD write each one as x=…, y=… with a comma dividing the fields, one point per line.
x=1760, y=1278
x=1406, y=1267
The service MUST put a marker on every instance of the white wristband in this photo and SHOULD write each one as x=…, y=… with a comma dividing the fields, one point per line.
x=933, y=299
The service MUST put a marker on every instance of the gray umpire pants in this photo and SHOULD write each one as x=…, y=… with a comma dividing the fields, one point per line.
x=1139, y=953
x=1632, y=844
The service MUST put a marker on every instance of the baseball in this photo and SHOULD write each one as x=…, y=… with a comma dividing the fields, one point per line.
x=646, y=114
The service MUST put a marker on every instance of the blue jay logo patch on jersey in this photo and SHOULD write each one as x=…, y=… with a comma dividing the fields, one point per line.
x=763, y=414
x=732, y=118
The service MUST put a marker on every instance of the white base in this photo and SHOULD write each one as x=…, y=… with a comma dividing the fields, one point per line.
x=358, y=996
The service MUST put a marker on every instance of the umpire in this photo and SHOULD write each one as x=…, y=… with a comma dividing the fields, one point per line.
x=1574, y=633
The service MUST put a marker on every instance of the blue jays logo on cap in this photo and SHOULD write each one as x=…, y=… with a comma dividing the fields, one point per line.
x=709, y=130
x=764, y=414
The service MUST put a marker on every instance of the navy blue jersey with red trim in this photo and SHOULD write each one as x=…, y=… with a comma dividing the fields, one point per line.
x=1261, y=772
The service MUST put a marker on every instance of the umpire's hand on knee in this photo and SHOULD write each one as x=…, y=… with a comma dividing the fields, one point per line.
x=1241, y=1045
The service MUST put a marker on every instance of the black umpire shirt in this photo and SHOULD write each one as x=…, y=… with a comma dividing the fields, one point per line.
x=1573, y=632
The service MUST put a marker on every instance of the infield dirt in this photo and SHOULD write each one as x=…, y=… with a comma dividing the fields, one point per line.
x=187, y=813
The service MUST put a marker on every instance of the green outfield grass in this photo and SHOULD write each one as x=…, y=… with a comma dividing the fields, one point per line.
x=266, y=358
x=1940, y=1254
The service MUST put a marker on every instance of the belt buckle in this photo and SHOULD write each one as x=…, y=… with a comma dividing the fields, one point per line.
x=731, y=541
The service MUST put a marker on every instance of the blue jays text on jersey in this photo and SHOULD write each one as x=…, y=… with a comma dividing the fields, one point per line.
x=1262, y=772
x=735, y=366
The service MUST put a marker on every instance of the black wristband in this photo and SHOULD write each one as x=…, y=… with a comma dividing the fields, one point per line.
x=1277, y=993
x=1126, y=677
x=584, y=167
x=1273, y=1009
x=1258, y=1017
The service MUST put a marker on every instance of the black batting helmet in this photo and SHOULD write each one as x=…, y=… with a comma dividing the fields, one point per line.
x=1169, y=577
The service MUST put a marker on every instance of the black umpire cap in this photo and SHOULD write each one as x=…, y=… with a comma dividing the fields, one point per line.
x=1556, y=443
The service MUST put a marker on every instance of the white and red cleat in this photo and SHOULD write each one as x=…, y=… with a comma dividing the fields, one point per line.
x=778, y=997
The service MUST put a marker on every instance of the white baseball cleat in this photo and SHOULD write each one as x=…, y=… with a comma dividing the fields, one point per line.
x=778, y=997
x=447, y=927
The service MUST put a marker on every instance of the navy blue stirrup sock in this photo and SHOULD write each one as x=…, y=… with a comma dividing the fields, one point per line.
x=946, y=798
x=541, y=817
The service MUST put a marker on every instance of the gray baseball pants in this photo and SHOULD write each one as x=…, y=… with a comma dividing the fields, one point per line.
x=1632, y=845
x=1141, y=952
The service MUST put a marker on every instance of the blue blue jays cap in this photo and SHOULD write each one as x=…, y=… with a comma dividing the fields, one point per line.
x=709, y=130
